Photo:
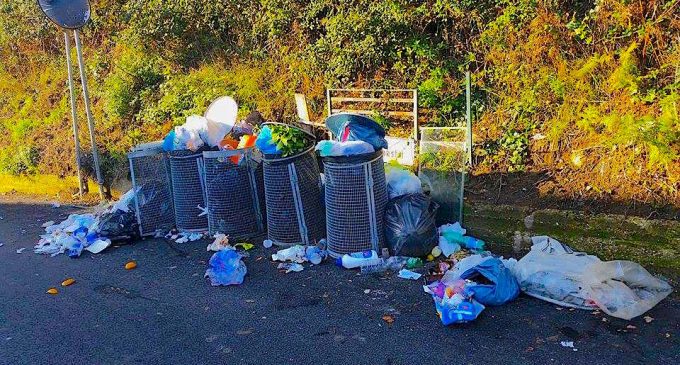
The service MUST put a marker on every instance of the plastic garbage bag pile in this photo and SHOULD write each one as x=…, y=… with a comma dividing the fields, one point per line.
x=90, y=232
x=217, y=130
x=552, y=271
x=472, y=284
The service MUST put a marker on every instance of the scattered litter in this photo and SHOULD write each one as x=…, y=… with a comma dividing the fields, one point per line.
x=267, y=243
x=367, y=291
x=1, y=244
x=648, y=319
x=226, y=268
x=47, y=224
x=414, y=262
x=221, y=242
x=52, y=291
x=569, y=344
x=552, y=271
x=290, y=267
x=300, y=254
x=294, y=253
x=388, y=318
x=98, y=246
x=115, y=221
x=631, y=327
x=130, y=265
x=244, y=245
x=67, y=282
x=21, y=250
x=185, y=237
x=408, y=274
x=452, y=239
x=245, y=332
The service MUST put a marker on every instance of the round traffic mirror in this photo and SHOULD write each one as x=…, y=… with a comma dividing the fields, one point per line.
x=69, y=14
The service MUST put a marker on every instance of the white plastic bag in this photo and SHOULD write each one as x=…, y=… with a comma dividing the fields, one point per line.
x=401, y=182
x=189, y=135
x=554, y=272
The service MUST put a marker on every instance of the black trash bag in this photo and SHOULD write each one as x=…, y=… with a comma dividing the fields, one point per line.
x=119, y=225
x=410, y=228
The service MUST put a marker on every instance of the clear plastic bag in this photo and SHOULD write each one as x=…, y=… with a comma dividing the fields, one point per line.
x=554, y=272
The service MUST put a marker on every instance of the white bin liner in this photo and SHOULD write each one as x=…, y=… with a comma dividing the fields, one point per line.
x=554, y=272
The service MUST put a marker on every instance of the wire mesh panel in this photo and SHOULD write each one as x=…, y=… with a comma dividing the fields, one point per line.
x=188, y=194
x=356, y=196
x=152, y=188
x=295, y=211
x=232, y=193
x=443, y=158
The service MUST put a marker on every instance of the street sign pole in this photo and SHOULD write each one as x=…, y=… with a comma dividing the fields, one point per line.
x=74, y=114
x=88, y=112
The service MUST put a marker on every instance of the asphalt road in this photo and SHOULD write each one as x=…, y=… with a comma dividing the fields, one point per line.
x=166, y=312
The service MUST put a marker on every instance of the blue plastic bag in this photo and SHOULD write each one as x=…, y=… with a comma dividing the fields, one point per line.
x=264, y=142
x=226, y=268
x=466, y=311
x=503, y=289
x=169, y=141
x=356, y=127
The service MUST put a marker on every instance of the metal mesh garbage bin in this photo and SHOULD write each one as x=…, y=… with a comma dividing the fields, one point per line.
x=186, y=169
x=151, y=184
x=356, y=196
x=295, y=211
x=234, y=192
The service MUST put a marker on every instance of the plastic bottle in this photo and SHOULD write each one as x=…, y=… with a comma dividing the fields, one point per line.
x=372, y=268
x=357, y=259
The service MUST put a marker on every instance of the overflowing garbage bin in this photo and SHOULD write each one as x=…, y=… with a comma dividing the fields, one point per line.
x=295, y=210
x=152, y=189
x=234, y=192
x=186, y=169
x=355, y=196
x=355, y=184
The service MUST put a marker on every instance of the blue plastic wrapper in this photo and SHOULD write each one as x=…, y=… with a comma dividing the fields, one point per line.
x=466, y=311
x=503, y=289
x=226, y=268
x=169, y=141
x=264, y=142
x=355, y=127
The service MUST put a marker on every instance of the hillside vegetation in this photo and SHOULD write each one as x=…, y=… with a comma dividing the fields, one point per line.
x=586, y=91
